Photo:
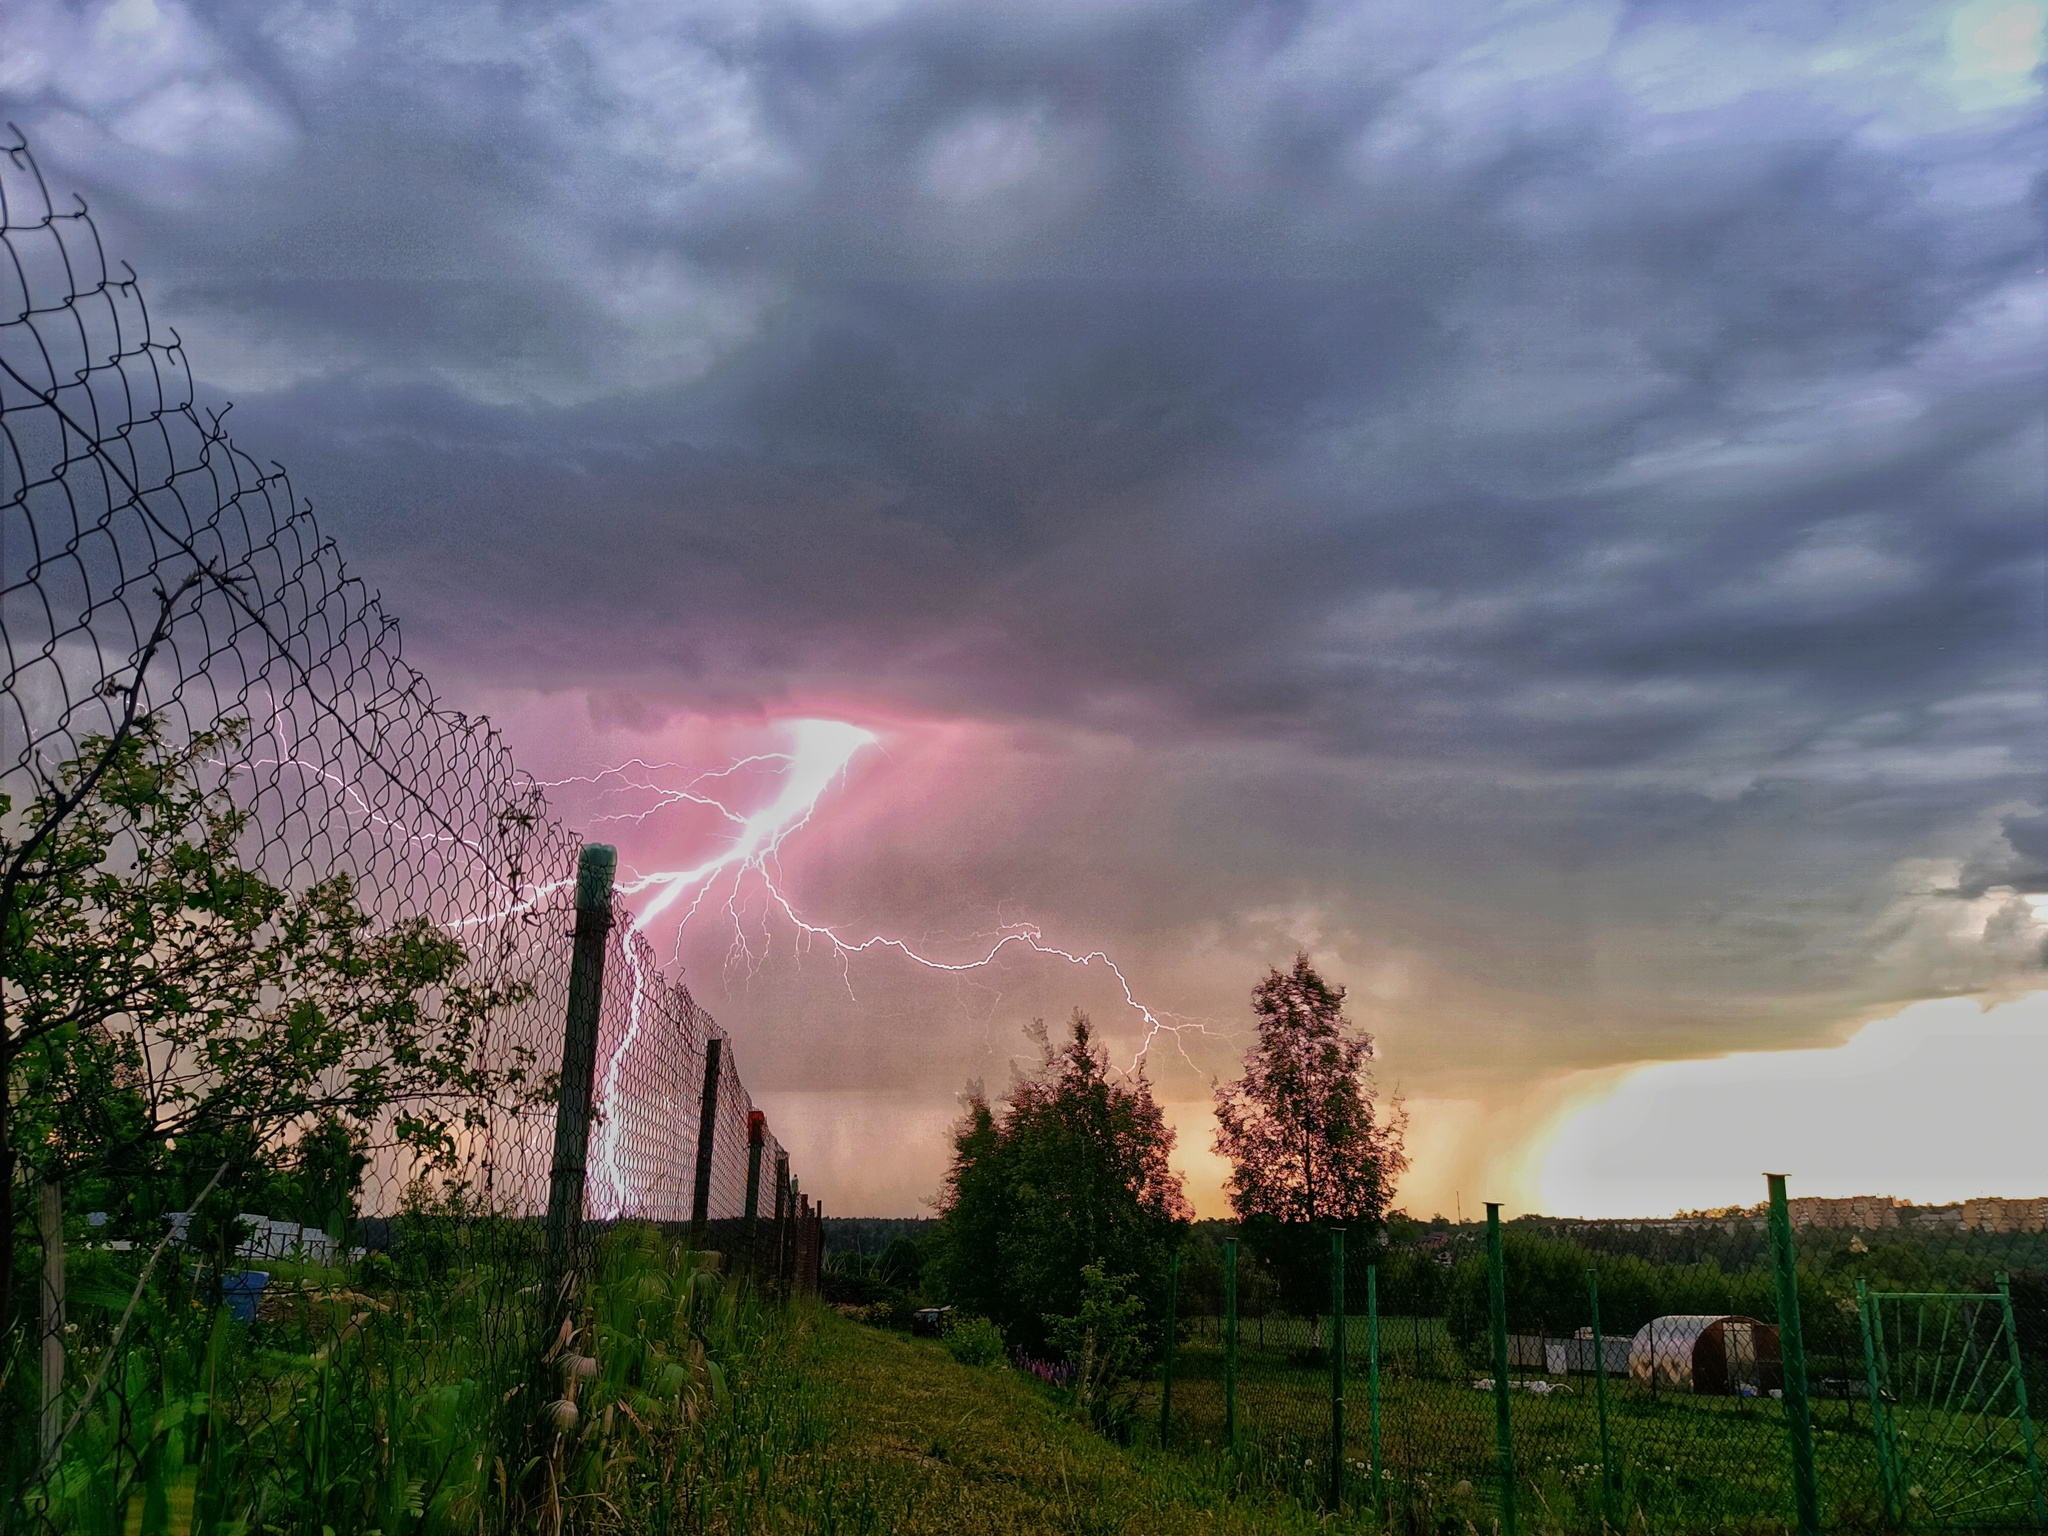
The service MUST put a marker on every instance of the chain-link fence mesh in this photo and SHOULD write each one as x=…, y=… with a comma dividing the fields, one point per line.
x=287, y=947
x=1649, y=1380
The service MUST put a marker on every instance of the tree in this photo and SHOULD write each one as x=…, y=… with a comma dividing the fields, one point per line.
x=169, y=1008
x=1306, y=1149
x=1072, y=1171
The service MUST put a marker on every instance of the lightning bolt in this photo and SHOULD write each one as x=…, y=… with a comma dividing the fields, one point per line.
x=819, y=754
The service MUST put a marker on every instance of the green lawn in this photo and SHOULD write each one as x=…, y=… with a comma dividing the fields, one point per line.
x=904, y=1440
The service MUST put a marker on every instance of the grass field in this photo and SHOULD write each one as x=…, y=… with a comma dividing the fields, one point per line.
x=899, y=1438
x=702, y=1410
x=1716, y=1466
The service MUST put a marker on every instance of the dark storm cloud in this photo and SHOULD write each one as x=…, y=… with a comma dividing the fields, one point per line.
x=1573, y=389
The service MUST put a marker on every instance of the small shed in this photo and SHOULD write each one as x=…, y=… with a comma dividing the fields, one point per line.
x=1716, y=1356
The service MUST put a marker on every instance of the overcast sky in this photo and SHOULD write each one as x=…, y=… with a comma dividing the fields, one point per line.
x=1539, y=504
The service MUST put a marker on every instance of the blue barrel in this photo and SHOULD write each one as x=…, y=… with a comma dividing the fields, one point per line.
x=239, y=1289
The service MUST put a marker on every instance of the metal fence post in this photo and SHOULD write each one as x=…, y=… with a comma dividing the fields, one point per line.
x=1600, y=1395
x=1337, y=1353
x=1230, y=1342
x=595, y=867
x=1880, y=1431
x=1166, y=1373
x=707, y=1140
x=1503, y=1414
x=2019, y=1388
x=50, y=1229
x=1372, y=1369
x=1792, y=1355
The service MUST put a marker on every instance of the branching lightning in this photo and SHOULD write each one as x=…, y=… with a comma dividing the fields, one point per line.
x=748, y=863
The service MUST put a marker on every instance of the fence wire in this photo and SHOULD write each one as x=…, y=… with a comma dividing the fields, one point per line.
x=1647, y=1372
x=287, y=945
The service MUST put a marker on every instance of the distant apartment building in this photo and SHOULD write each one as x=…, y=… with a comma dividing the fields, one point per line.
x=1856, y=1213
x=1995, y=1215
x=1863, y=1213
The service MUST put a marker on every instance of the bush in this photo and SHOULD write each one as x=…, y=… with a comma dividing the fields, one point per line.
x=975, y=1341
x=850, y=1279
x=1073, y=1169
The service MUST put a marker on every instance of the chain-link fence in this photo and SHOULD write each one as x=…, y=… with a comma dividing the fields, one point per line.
x=288, y=955
x=1637, y=1375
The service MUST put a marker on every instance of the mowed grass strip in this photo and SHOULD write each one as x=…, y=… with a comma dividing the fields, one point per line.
x=914, y=1442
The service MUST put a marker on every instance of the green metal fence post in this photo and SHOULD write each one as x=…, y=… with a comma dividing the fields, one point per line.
x=2019, y=1389
x=1792, y=1356
x=1600, y=1396
x=1372, y=1369
x=1503, y=1416
x=1337, y=1367
x=1230, y=1342
x=1166, y=1374
x=1880, y=1428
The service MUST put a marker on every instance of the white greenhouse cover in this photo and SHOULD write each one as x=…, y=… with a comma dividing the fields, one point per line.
x=1664, y=1347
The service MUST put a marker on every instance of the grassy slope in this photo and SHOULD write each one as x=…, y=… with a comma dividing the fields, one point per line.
x=912, y=1442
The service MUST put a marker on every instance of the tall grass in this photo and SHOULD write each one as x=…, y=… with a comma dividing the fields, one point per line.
x=426, y=1397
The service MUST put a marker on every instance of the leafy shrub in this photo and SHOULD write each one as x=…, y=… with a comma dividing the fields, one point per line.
x=902, y=1265
x=975, y=1341
x=851, y=1279
x=1105, y=1342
